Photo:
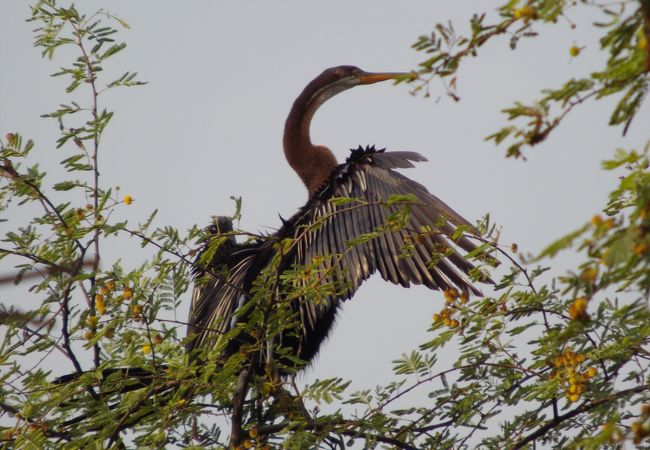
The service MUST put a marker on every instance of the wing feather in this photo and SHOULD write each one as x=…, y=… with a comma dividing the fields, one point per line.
x=370, y=179
x=216, y=299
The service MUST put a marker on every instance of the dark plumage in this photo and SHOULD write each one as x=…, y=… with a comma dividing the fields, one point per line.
x=367, y=175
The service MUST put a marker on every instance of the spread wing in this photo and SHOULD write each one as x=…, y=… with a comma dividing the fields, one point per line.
x=388, y=224
x=219, y=290
x=407, y=242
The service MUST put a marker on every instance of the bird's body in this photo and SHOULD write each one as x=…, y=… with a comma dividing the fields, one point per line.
x=324, y=230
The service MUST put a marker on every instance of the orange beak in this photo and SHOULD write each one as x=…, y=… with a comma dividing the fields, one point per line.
x=369, y=78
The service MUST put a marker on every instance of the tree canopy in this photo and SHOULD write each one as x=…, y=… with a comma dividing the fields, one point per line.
x=559, y=362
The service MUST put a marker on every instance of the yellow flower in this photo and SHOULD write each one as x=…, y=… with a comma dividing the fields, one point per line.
x=453, y=323
x=89, y=335
x=526, y=12
x=578, y=388
x=589, y=274
x=645, y=409
x=92, y=321
x=128, y=199
x=100, y=307
x=437, y=318
x=597, y=220
x=591, y=372
x=604, y=257
x=136, y=309
x=574, y=51
x=578, y=309
x=253, y=432
x=105, y=290
x=451, y=294
x=127, y=293
x=181, y=402
x=573, y=397
x=146, y=349
x=640, y=248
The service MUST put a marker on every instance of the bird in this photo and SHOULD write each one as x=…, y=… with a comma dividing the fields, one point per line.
x=344, y=233
x=361, y=217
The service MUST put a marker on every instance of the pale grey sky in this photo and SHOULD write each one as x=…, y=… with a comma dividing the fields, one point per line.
x=222, y=77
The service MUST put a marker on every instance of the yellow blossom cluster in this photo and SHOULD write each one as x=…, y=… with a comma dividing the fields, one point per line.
x=92, y=321
x=525, y=12
x=640, y=248
x=573, y=377
x=599, y=223
x=127, y=293
x=574, y=51
x=107, y=292
x=453, y=300
x=601, y=226
x=589, y=274
x=641, y=428
x=253, y=442
x=578, y=309
x=100, y=306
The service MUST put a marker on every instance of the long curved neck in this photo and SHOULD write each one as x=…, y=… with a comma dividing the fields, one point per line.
x=312, y=163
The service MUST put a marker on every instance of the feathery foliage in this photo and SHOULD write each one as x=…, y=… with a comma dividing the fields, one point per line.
x=561, y=363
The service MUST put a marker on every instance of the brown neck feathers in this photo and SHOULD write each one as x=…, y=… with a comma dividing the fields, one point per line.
x=312, y=163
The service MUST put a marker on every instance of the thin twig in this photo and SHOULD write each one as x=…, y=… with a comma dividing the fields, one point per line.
x=585, y=407
x=241, y=390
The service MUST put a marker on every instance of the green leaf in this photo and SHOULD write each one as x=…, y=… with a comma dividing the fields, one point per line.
x=562, y=243
x=65, y=185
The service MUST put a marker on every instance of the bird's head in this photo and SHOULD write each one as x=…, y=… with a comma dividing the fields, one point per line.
x=340, y=78
x=314, y=163
x=220, y=225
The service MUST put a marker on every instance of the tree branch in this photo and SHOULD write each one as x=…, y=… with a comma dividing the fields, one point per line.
x=585, y=407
